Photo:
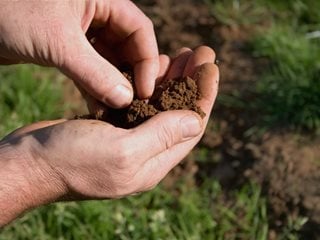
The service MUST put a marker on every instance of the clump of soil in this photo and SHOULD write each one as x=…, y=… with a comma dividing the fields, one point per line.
x=175, y=94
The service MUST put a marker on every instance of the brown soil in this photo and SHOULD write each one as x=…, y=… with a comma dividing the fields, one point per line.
x=174, y=94
x=287, y=168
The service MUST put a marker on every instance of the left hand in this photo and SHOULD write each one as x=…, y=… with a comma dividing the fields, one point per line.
x=88, y=159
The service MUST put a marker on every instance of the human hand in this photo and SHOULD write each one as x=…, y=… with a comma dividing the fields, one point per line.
x=88, y=159
x=52, y=33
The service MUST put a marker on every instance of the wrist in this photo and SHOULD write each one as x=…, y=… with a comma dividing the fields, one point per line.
x=26, y=181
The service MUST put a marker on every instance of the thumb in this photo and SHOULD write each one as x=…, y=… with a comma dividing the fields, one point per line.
x=164, y=131
x=96, y=75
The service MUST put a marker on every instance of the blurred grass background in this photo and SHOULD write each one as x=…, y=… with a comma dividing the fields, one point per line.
x=286, y=96
x=287, y=93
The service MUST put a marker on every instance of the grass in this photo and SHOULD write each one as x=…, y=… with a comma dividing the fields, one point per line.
x=185, y=212
x=28, y=95
x=248, y=13
x=287, y=91
x=286, y=94
x=235, y=12
x=193, y=213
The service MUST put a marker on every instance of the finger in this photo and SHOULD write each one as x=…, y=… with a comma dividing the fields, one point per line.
x=95, y=74
x=200, y=56
x=23, y=130
x=164, y=61
x=162, y=132
x=129, y=23
x=179, y=63
x=207, y=77
x=145, y=73
x=182, y=50
x=158, y=167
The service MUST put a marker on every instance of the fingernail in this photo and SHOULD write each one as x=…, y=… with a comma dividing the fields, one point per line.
x=191, y=126
x=119, y=96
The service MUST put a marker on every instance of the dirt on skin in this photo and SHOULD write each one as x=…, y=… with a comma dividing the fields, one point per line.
x=175, y=94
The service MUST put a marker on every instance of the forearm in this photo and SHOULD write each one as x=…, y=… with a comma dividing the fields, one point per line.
x=24, y=183
x=12, y=189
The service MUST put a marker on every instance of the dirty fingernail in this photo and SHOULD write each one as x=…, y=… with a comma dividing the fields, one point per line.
x=191, y=126
x=119, y=96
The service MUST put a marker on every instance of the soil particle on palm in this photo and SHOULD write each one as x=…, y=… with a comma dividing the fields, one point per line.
x=175, y=94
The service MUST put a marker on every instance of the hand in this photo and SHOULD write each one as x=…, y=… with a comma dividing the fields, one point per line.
x=88, y=159
x=52, y=33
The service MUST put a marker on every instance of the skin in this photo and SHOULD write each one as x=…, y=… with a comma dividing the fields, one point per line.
x=86, y=159
x=55, y=35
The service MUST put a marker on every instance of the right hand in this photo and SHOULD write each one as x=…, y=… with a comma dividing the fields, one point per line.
x=53, y=33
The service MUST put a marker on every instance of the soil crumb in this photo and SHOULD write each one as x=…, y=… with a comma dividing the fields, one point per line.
x=175, y=94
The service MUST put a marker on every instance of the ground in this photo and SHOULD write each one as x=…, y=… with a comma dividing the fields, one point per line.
x=285, y=164
x=242, y=181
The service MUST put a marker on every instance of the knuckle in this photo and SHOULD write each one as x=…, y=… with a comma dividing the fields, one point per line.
x=58, y=39
x=166, y=136
x=122, y=161
x=148, y=23
x=205, y=50
x=123, y=155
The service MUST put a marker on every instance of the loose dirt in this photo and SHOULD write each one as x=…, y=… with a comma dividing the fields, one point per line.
x=174, y=94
